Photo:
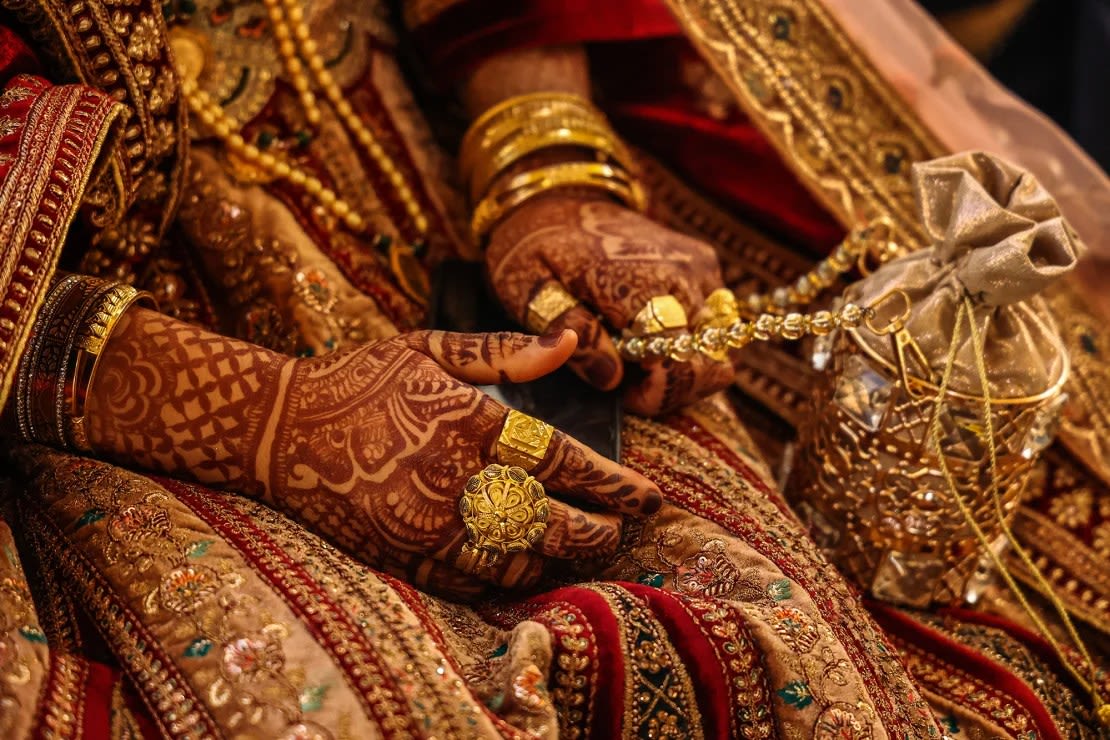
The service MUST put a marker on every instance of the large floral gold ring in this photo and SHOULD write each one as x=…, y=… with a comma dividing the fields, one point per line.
x=661, y=313
x=550, y=302
x=523, y=441
x=504, y=511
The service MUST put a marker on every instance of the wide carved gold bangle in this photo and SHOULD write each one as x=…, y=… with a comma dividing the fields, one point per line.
x=525, y=186
x=92, y=335
x=56, y=371
x=522, y=108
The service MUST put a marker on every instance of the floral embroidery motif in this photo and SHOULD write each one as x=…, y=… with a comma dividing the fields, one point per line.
x=708, y=573
x=14, y=95
x=145, y=40
x=184, y=590
x=248, y=657
x=135, y=524
x=840, y=722
x=9, y=125
x=1073, y=509
x=780, y=590
x=796, y=694
x=795, y=628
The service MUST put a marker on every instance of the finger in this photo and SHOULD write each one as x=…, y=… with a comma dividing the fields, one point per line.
x=503, y=357
x=573, y=534
x=595, y=359
x=518, y=570
x=436, y=577
x=572, y=468
x=620, y=304
x=668, y=384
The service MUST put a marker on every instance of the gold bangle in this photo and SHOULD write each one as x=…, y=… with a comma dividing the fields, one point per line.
x=607, y=147
x=545, y=119
x=93, y=333
x=55, y=373
x=519, y=108
x=42, y=364
x=528, y=185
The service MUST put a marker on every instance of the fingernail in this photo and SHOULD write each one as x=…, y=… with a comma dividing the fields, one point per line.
x=653, y=502
x=551, y=339
x=600, y=371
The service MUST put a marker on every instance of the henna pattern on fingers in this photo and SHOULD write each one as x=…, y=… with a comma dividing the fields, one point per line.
x=370, y=448
x=613, y=260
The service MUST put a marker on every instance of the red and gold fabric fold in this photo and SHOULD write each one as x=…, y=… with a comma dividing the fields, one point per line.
x=53, y=140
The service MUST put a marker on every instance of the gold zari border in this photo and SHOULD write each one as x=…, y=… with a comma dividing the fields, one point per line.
x=840, y=126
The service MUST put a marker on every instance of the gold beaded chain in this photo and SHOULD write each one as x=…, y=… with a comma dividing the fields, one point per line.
x=727, y=330
x=713, y=340
x=873, y=240
x=295, y=43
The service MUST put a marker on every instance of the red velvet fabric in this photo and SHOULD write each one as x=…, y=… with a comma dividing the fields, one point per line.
x=16, y=56
x=465, y=34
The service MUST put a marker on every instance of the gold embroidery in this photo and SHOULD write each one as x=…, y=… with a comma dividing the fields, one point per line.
x=659, y=695
x=89, y=44
x=841, y=127
x=38, y=198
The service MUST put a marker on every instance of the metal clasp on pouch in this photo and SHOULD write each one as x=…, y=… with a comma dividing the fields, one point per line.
x=902, y=342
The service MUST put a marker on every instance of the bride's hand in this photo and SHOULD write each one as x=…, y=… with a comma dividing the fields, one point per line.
x=614, y=261
x=374, y=447
x=370, y=447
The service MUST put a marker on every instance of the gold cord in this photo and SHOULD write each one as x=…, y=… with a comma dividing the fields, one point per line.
x=1102, y=710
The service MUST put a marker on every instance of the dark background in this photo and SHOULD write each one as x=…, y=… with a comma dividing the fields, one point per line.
x=1053, y=53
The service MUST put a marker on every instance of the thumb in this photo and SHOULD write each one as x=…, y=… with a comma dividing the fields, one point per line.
x=504, y=357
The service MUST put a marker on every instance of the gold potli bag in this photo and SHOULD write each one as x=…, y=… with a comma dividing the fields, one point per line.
x=930, y=416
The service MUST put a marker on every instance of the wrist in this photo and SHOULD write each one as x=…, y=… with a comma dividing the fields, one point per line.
x=173, y=398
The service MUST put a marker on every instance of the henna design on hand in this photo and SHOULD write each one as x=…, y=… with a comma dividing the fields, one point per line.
x=614, y=260
x=370, y=447
x=174, y=398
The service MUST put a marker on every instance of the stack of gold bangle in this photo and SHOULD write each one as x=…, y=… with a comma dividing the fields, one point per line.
x=57, y=369
x=520, y=126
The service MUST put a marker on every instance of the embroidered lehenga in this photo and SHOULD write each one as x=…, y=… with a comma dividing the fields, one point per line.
x=135, y=605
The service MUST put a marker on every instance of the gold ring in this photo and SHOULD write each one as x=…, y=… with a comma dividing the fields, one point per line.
x=472, y=560
x=723, y=310
x=661, y=313
x=524, y=440
x=550, y=302
x=504, y=511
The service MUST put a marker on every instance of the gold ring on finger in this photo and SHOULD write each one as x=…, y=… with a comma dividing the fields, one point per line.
x=661, y=313
x=549, y=303
x=472, y=560
x=523, y=441
x=504, y=510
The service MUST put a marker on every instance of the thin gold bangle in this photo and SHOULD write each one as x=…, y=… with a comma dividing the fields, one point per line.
x=521, y=106
x=527, y=185
x=508, y=155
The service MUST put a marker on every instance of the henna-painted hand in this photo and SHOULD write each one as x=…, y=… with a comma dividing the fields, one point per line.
x=370, y=448
x=614, y=261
